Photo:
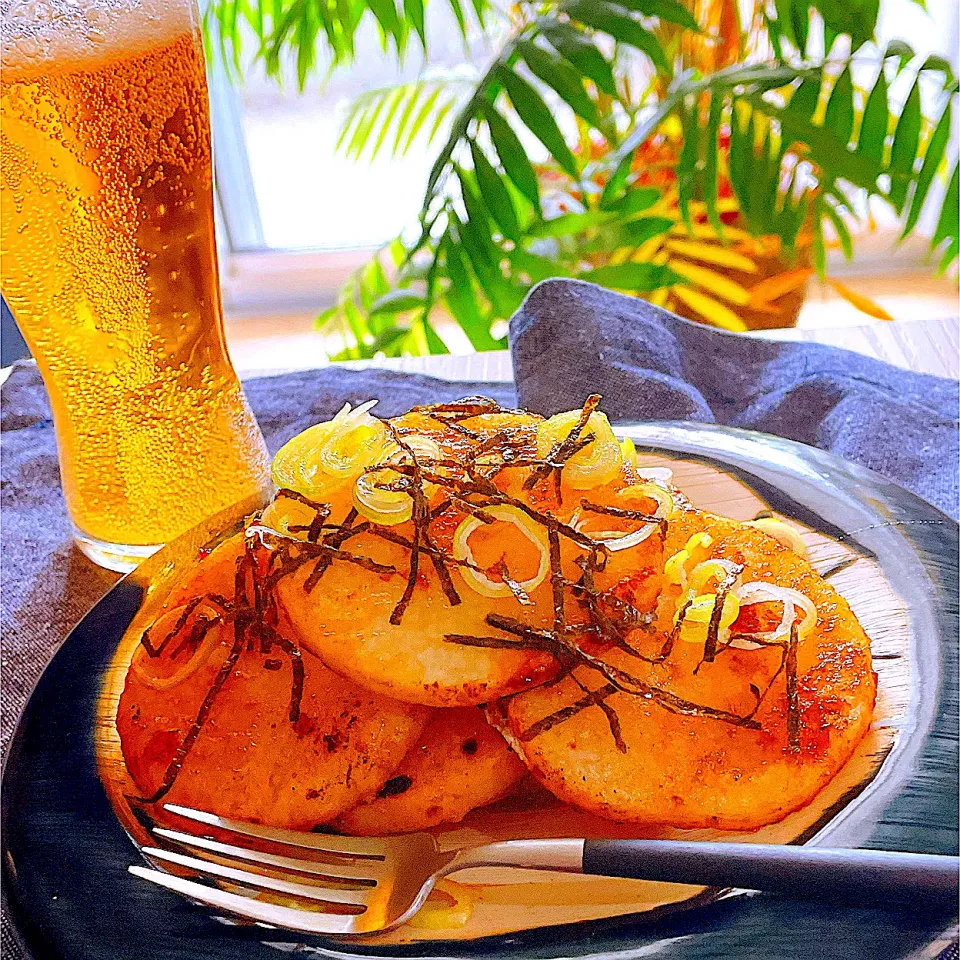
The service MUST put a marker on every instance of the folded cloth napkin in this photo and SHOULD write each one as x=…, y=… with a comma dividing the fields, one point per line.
x=571, y=339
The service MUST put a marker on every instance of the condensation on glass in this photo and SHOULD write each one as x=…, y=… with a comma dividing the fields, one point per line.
x=109, y=265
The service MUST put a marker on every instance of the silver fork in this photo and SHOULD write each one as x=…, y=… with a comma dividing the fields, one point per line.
x=358, y=885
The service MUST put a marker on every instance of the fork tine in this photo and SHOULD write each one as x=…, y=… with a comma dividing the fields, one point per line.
x=347, y=846
x=273, y=915
x=310, y=892
x=369, y=871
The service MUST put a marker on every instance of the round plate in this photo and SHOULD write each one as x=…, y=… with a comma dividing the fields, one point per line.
x=65, y=854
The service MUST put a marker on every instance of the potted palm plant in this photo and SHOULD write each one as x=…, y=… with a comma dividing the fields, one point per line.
x=698, y=160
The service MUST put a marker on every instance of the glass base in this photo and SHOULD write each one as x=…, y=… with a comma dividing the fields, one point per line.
x=120, y=557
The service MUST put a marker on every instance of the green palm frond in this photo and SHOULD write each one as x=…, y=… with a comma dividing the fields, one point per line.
x=774, y=136
x=299, y=29
x=401, y=115
x=380, y=311
x=537, y=77
x=794, y=26
x=797, y=144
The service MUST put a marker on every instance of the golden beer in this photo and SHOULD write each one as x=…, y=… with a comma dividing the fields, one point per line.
x=108, y=262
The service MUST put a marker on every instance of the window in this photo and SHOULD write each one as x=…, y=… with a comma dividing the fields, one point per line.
x=296, y=212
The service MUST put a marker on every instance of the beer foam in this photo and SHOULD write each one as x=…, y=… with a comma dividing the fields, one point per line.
x=42, y=37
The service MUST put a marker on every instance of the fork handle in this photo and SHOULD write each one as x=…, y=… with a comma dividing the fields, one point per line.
x=861, y=876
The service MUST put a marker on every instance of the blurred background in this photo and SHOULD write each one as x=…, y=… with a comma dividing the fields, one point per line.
x=319, y=167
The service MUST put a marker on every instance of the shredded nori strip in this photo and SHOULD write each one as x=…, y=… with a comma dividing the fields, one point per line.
x=772, y=680
x=496, y=441
x=465, y=409
x=540, y=636
x=613, y=719
x=565, y=449
x=296, y=664
x=397, y=486
x=420, y=517
x=793, y=694
x=619, y=512
x=318, y=522
x=556, y=582
x=547, y=462
x=630, y=616
x=457, y=427
x=440, y=565
x=623, y=681
x=401, y=608
x=181, y=622
x=386, y=533
x=241, y=625
x=753, y=638
x=335, y=539
x=190, y=739
x=496, y=497
x=372, y=565
x=462, y=503
x=515, y=588
x=251, y=611
x=499, y=643
x=305, y=527
x=198, y=632
x=542, y=726
x=326, y=551
x=287, y=493
x=549, y=521
x=674, y=634
x=608, y=629
x=321, y=513
x=440, y=509
x=716, y=614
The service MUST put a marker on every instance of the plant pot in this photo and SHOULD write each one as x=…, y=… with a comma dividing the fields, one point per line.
x=778, y=287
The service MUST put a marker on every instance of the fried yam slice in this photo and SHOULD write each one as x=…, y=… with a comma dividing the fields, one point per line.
x=459, y=763
x=648, y=759
x=363, y=619
x=252, y=758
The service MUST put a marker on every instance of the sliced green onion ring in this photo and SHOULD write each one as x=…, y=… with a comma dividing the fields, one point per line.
x=701, y=605
x=615, y=540
x=792, y=600
x=597, y=463
x=385, y=507
x=475, y=578
x=195, y=659
x=390, y=507
x=326, y=456
x=782, y=532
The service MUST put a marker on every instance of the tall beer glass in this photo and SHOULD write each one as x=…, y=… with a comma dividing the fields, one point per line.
x=108, y=262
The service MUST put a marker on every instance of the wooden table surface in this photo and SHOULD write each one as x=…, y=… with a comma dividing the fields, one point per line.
x=926, y=346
